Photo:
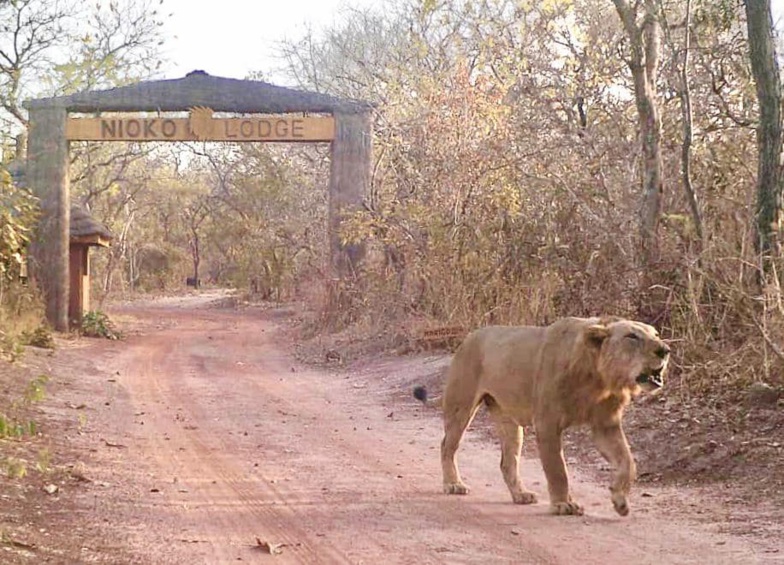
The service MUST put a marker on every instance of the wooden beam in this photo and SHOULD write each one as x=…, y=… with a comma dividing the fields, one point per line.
x=203, y=128
x=96, y=240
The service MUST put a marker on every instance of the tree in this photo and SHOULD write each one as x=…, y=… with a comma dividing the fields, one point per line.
x=194, y=215
x=65, y=46
x=764, y=66
x=681, y=65
x=644, y=45
x=30, y=32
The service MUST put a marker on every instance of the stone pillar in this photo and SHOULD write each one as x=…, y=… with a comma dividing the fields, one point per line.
x=47, y=176
x=348, y=185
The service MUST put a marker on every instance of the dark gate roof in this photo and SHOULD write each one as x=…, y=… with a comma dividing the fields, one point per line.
x=198, y=88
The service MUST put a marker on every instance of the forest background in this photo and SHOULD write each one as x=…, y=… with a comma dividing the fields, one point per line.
x=531, y=160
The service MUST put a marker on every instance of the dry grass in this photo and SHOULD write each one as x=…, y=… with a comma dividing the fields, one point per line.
x=21, y=316
x=724, y=325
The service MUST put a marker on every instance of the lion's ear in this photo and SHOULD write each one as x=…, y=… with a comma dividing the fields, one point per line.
x=596, y=334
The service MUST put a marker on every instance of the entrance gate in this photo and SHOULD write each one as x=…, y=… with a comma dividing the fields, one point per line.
x=267, y=113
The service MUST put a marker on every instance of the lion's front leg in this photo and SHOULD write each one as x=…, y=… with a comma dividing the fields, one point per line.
x=612, y=444
x=550, y=445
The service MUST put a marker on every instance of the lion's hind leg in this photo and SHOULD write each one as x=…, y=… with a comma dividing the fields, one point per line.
x=511, y=435
x=456, y=421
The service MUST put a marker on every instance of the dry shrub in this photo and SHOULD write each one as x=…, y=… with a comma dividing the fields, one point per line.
x=495, y=203
x=21, y=315
x=726, y=326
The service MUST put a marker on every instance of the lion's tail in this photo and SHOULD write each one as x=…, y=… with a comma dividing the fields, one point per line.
x=420, y=393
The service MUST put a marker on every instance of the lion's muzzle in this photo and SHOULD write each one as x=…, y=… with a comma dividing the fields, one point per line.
x=653, y=380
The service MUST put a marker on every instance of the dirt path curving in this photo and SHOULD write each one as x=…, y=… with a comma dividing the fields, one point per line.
x=212, y=436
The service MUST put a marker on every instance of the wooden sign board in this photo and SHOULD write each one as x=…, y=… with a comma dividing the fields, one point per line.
x=201, y=126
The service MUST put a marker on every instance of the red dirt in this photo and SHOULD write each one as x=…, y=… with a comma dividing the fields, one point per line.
x=202, y=434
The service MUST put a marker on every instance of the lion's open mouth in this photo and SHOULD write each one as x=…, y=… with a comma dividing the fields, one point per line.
x=653, y=378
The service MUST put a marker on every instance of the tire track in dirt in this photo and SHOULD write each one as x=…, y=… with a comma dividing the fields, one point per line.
x=168, y=373
x=366, y=451
x=228, y=488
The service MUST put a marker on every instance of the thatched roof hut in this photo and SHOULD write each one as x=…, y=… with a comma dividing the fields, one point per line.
x=87, y=230
x=83, y=228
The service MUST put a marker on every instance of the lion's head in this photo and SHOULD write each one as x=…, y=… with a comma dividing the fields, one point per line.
x=631, y=355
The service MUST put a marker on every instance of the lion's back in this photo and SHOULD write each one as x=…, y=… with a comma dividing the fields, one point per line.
x=512, y=364
x=498, y=361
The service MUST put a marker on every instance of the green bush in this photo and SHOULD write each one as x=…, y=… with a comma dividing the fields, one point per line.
x=97, y=324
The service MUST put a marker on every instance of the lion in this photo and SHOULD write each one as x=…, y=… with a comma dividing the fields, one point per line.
x=576, y=371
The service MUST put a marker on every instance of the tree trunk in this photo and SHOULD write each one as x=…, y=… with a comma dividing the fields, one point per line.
x=645, y=43
x=196, y=254
x=686, y=115
x=765, y=69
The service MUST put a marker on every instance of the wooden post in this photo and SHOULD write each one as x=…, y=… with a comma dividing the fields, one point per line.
x=47, y=174
x=348, y=184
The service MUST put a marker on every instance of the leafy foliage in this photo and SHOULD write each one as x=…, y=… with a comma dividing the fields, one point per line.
x=18, y=213
x=19, y=307
x=97, y=324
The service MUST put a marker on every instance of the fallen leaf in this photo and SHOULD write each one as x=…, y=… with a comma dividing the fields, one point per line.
x=111, y=444
x=51, y=489
x=17, y=544
x=271, y=548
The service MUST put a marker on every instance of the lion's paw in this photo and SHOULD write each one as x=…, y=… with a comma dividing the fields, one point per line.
x=620, y=504
x=524, y=497
x=566, y=509
x=455, y=488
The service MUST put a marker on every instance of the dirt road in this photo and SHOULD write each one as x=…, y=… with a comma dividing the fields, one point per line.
x=207, y=435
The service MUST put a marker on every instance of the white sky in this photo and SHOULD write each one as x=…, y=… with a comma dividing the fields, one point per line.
x=230, y=38
x=777, y=7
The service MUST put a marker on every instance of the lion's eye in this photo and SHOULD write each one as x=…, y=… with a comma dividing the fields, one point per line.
x=633, y=336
